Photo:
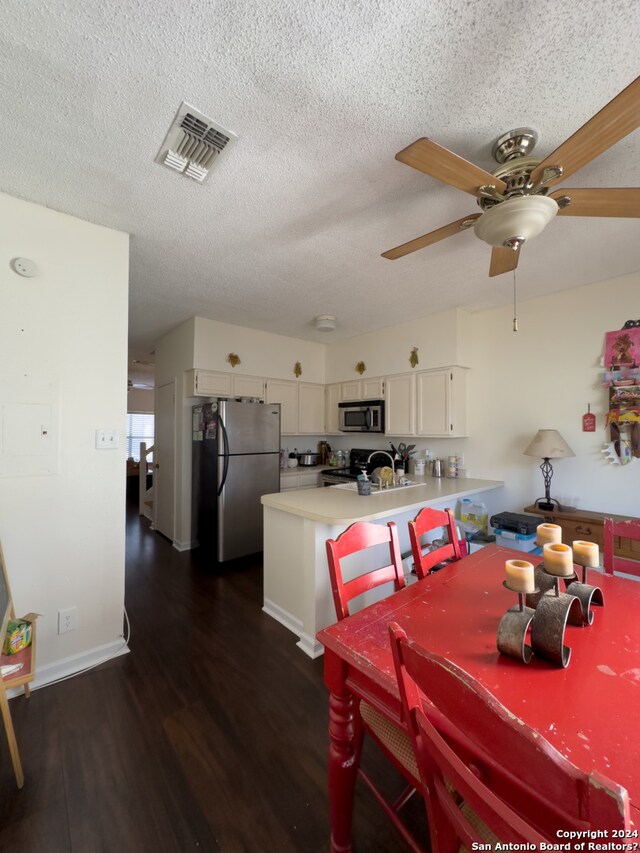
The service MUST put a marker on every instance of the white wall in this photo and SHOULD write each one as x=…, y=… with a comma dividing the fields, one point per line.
x=141, y=401
x=261, y=353
x=544, y=376
x=63, y=534
x=387, y=351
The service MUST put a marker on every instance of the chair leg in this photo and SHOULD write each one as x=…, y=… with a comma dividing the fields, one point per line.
x=27, y=691
x=11, y=738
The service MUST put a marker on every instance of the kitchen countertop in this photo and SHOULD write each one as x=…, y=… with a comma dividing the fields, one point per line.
x=341, y=506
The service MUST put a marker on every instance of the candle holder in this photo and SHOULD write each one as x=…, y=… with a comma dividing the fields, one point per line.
x=513, y=628
x=587, y=595
x=553, y=611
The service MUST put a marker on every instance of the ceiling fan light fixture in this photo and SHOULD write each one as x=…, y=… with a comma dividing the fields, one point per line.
x=510, y=223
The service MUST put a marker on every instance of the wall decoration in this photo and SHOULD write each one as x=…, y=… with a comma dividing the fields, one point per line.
x=622, y=378
x=233, y=359
x=413, y=358
x=297, y=369
x=361, y=367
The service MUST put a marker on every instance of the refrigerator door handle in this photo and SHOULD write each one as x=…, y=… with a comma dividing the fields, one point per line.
x=225, y=441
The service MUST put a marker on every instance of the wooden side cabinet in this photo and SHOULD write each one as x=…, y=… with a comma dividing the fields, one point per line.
x=583, y=524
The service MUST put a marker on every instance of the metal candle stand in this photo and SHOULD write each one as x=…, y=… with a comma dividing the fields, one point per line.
x=587, y=595
x=547, y=611
x=513, y=627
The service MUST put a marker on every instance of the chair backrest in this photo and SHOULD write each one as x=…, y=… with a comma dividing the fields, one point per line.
x=629, y=529
x=484, y=772
x=426, y=520
x=356, y=538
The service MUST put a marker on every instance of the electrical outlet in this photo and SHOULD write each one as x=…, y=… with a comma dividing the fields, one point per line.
x=67, y=620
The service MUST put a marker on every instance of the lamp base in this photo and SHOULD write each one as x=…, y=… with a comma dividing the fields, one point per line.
x=551, y=504
x=547, y=505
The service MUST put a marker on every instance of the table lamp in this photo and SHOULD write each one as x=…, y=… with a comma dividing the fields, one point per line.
x=548, y=444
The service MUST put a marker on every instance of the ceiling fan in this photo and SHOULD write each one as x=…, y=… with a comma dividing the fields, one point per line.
x=515, y=200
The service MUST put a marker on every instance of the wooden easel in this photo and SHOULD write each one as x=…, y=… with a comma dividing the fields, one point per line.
x=21, y=678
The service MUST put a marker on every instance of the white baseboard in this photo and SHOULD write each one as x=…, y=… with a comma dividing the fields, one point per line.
x=309, y=645
x=283, y=617
x=184, y=546
x=74, y=665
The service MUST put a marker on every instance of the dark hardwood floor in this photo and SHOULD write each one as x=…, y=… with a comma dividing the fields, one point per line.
x=211, y=735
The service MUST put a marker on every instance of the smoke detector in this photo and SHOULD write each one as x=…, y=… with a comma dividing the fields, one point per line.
x=194, y=144
x=325, y=323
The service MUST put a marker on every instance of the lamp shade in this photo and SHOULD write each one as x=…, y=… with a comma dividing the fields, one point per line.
x=516, y=219
x=549, y=444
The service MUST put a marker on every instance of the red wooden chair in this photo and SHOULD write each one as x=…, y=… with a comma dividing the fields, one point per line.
x=485, y=776
x=393, y=741
x=614, y=530
x=354, y=539
x=426, y=520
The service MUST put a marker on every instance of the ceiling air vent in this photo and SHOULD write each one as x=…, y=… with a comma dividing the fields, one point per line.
x=194, y=144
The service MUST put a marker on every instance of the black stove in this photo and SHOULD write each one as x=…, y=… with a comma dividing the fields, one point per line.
x=357, y=461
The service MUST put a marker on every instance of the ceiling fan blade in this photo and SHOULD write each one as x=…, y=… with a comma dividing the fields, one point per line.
x=503, y=260
x=610, y=125
x=623, y=201
x=428, y=239
x=432, y=159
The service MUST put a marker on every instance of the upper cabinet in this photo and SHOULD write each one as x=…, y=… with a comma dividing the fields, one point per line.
x=285, y=392
x=310, y=409
x=441, y=402
x=332, y=396
x=400, y=406
x=209, y=383
x=302, y=406
x=362, y=389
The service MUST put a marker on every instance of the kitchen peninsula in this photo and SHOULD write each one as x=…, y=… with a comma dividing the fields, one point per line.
x=297, y=591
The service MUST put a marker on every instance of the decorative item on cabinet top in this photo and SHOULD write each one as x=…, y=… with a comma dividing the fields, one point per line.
x=297, y=369
x=413, y=358
x=361, y=367
x=233, y=359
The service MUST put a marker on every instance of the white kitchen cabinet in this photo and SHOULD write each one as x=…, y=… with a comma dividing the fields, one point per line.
x=400, y=405
x=331, y=399
x=210, y=383
x=285, y=392
x=362, y=389
x=300, y=480
x=207, y=383
x=248, y=386
x=310, y=409
x=441, y=404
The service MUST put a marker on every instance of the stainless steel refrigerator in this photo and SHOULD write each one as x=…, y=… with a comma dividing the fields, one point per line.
x=235, y=460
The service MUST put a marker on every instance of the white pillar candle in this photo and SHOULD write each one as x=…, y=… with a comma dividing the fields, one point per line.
x=520, y=575
x=586, y=553
x=558, y=559
x=548, y=533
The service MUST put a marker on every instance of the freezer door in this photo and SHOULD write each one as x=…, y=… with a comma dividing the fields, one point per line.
x=251, y=427
x=239, y=507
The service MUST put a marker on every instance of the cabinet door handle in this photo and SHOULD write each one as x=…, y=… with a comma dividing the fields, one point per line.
x=583, y=531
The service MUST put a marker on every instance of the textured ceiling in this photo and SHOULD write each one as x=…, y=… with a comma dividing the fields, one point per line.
x=322, y=95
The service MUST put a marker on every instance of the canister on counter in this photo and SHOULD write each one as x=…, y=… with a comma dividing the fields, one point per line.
x=452, y=466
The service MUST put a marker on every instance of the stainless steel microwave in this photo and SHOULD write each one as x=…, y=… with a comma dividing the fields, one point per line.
x=362, y=417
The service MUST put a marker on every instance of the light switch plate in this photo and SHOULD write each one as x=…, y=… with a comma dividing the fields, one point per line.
x=107, y=439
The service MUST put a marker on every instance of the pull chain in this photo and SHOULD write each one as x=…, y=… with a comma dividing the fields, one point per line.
x=515, y=312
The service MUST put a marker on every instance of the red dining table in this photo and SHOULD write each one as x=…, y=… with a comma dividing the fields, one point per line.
x=590, y=711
